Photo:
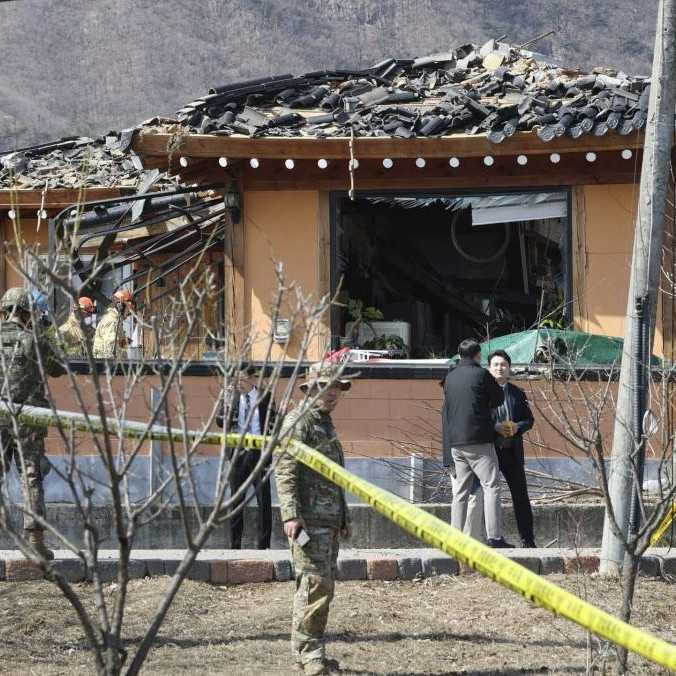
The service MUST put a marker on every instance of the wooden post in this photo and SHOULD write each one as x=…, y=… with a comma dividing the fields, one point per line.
x=233, y=285
x=324, y=268
x=645, y=271
x=3, y=255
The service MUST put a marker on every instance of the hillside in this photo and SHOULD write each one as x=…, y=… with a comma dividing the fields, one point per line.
x=82, y=67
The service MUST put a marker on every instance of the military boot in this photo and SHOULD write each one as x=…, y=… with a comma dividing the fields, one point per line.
x=315, y=668
x=37, y=541
x=322, y=666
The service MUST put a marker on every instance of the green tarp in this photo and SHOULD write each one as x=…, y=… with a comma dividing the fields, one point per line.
x=575, y=347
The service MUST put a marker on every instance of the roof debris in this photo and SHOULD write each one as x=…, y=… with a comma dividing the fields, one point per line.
x=495, y=89
x=75, y=162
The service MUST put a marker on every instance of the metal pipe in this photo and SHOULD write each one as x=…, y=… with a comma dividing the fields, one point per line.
x=638, y=408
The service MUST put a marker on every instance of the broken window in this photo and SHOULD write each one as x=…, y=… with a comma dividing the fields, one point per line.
x=418, y=274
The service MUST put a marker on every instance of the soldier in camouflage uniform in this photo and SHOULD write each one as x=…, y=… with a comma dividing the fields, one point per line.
x=21, y=383
x=72, y=334
x=317, y=506
x=109, y=339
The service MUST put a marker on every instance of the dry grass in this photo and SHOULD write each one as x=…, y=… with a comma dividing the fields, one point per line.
x=445, y=625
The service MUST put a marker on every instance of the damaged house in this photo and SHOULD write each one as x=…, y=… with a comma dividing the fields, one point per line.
x=480, y=192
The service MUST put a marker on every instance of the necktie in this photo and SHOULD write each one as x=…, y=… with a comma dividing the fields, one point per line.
x=508, y=413
x=247, y=409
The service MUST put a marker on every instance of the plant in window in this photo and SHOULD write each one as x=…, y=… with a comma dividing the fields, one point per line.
x=384, y=342
x=359, y=314
x=553, y=312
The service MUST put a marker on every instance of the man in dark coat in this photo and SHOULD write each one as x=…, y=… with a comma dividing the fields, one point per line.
x=250, y=413
x=512, y=420
x=470, y=392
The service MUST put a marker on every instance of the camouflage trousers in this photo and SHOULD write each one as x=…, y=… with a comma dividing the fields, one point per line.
x=32, y=443
x=315, y=566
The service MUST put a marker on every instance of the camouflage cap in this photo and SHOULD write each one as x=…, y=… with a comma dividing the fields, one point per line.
x=16, y=297
x=323, y=373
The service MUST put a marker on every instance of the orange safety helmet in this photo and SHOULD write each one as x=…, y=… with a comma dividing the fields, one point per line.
x=86, y=305
x=124, y=296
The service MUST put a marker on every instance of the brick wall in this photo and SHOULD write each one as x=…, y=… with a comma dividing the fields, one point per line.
x=376, y=418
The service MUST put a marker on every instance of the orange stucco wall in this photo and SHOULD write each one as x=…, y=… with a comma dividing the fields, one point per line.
x=604, y=220
x=285, y=226
x=377, y=417
x=32, y=237
x=279, y=227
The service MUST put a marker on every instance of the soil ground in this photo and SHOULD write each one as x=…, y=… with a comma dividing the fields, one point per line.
x=444, y=625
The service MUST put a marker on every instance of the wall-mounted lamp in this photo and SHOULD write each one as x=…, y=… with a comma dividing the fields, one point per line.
x=282, y=331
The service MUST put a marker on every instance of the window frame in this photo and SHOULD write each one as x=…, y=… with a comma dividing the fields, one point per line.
x=337, y=196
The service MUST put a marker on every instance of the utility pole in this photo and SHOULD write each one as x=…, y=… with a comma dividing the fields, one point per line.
x=645, y=272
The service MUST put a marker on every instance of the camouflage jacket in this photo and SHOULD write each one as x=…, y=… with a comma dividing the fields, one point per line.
x=109, y=339
x=73, y=337
x=304, y=494
x=20, y=380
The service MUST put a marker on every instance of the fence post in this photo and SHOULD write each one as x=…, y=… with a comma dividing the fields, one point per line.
x=416, y=487
x=155, y=457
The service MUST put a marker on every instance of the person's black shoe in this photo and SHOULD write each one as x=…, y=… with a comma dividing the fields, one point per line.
x=528, y=544
x=499, y=543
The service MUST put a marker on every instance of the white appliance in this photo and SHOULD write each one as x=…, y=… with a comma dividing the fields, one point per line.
x=370, y=330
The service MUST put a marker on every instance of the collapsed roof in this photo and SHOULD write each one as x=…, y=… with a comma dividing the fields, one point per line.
x=160, y=231
x=495, y=89
x=76, y=162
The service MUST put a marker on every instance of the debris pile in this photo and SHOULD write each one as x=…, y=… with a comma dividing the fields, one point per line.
x=74, y=162
x=495, y=89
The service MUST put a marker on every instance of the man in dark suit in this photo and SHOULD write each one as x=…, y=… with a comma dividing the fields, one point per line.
x=250, y=413
x=470, y=392
x=512, y=419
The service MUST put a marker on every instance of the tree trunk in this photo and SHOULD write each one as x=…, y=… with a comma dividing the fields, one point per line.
x=629, y=573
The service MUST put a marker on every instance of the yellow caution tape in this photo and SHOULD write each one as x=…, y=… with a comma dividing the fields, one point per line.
x=664, y=526
x=417, y=522
x=489, y=562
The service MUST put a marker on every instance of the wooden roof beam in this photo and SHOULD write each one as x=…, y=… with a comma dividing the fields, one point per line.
x=57, y=198
x=462, y=145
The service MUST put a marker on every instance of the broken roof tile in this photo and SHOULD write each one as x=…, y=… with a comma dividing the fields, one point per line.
x=74, y=162
x=495, y=89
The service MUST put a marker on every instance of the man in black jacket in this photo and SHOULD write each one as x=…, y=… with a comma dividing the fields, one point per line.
x=512, y=420
x=250, y=413
x=470, y=392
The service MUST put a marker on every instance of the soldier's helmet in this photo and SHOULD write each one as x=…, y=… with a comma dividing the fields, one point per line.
x=16, y=297
x=323, y=374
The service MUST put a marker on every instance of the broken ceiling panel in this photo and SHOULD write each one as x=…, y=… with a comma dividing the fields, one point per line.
x=488, y=209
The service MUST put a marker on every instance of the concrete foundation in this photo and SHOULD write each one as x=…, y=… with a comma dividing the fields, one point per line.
x=555, y=525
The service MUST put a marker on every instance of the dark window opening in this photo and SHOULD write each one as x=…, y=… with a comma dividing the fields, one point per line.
x=419, y=274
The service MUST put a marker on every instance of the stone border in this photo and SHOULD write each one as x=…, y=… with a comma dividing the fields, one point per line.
x=355, y=565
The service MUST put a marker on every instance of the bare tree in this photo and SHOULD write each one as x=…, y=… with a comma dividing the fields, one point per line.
x=579, y=405
x=108, y=417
